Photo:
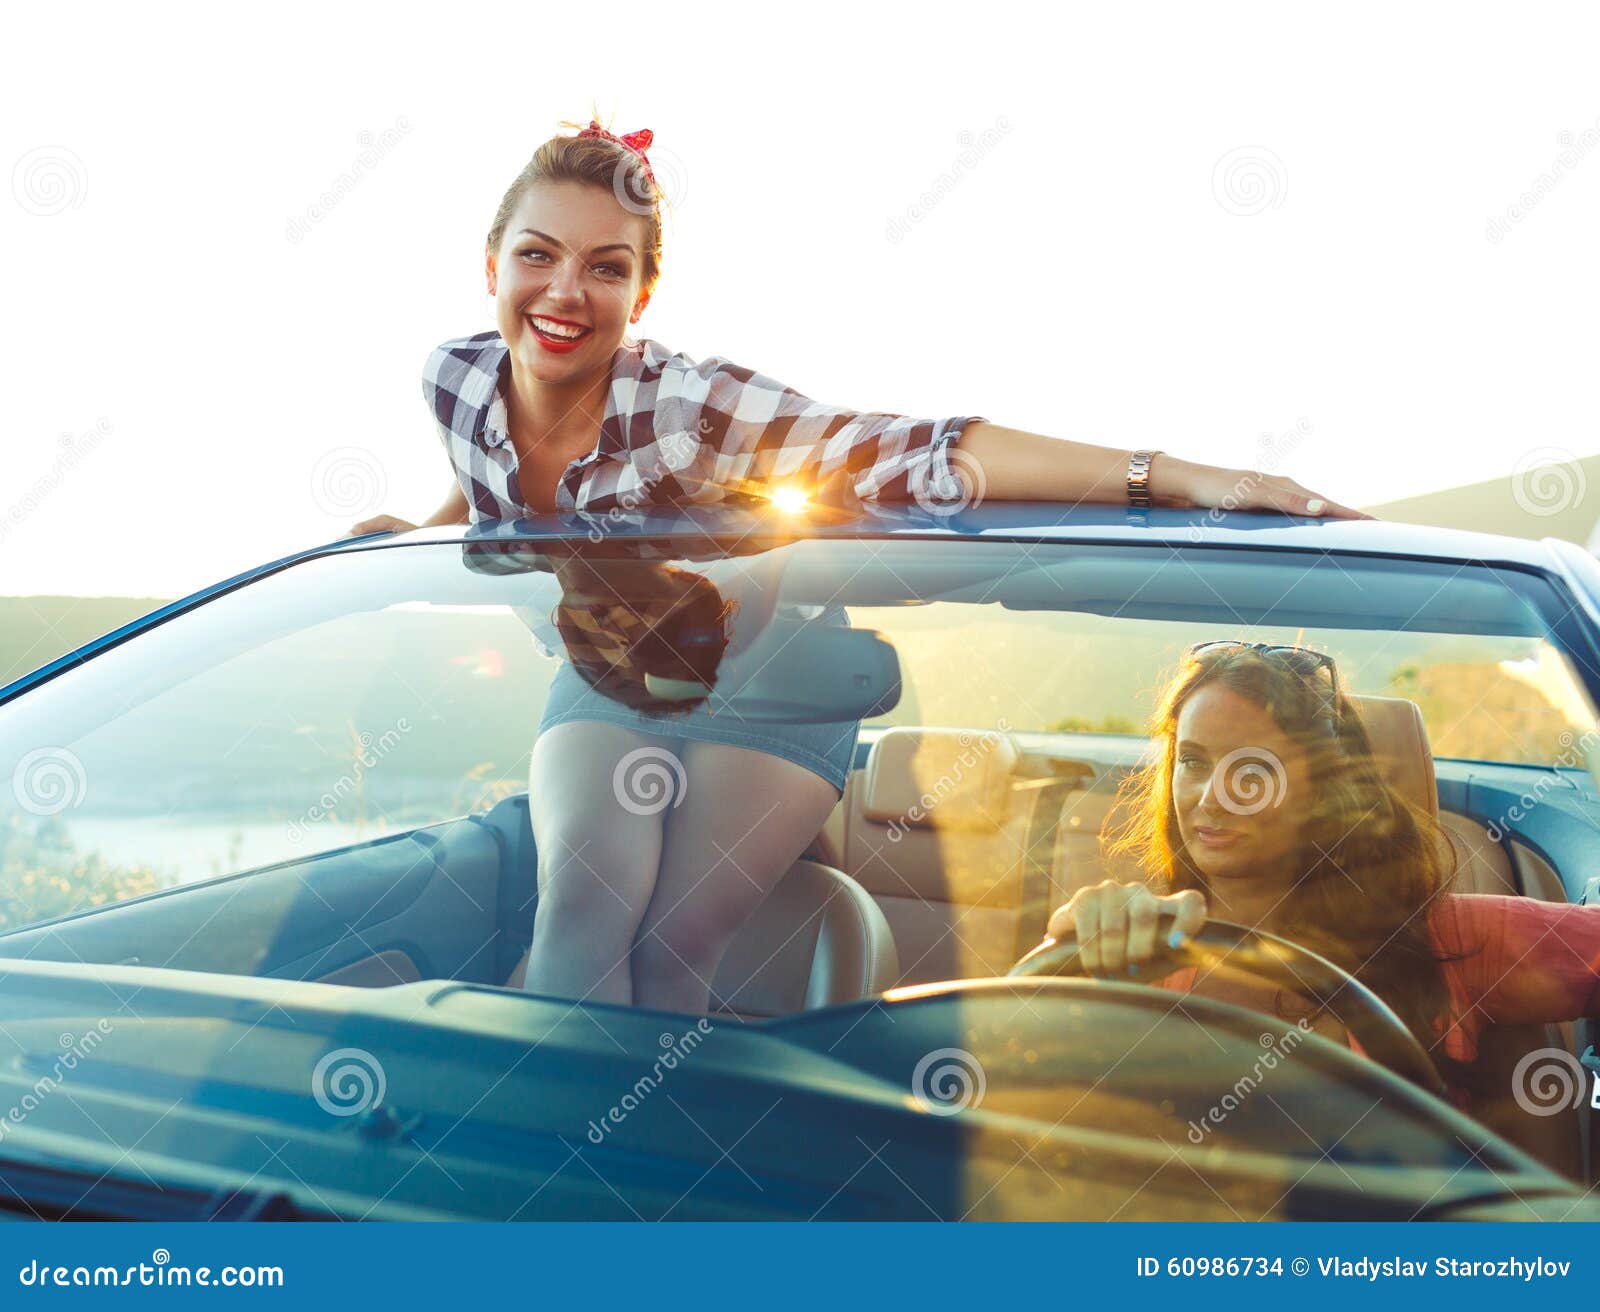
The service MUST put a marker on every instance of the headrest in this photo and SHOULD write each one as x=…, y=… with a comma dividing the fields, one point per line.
x=1400, y=748
x=939, y=778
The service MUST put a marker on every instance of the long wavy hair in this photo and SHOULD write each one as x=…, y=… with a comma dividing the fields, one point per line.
x=1369, y=864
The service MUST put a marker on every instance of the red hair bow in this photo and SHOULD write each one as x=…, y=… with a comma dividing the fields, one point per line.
x=638, y=142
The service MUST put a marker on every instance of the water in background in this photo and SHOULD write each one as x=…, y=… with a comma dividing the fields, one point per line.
x=180, y=851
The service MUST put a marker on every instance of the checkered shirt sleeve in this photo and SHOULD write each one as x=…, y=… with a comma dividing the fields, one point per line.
x=717, y=431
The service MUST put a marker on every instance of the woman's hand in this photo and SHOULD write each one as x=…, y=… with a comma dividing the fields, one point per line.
x=1175, y=482
x=1006, y=464
x=1115, y=923
x=380, y=524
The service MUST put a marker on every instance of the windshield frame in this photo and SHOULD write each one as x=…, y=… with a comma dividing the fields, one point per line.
x=1557, y=596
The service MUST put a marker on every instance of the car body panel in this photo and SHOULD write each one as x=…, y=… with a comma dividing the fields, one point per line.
x=497, y=1104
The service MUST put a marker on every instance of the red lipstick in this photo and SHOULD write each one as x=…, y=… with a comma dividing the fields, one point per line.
x=558, y=345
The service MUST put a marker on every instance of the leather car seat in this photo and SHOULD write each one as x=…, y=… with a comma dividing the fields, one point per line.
x=1400, y=745
x=936, y=829
x=816, y=939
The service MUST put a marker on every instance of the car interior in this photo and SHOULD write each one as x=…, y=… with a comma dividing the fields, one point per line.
x=968, y=888
x=942, y=861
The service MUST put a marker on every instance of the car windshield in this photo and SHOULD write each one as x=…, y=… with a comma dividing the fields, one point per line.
x=362, y=694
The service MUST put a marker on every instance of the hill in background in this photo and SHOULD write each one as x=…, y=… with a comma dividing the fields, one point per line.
x=36, y=630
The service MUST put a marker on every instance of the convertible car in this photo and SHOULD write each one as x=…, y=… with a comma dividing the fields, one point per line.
x=267, y=878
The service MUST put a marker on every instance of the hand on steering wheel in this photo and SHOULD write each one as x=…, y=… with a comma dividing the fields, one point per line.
x=1115, y=924
x=1129, y=928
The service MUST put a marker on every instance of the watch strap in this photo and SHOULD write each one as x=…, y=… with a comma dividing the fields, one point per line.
x=1139, y=477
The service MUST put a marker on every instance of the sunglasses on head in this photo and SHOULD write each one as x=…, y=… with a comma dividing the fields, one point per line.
x=1302, y=660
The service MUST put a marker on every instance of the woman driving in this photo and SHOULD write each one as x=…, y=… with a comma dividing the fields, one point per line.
x=1264, y=806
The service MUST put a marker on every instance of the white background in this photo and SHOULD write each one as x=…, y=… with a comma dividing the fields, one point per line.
x=1097, y=274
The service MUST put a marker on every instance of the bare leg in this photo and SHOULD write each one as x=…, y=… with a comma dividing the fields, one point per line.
x=745, y=819
x=597, y=860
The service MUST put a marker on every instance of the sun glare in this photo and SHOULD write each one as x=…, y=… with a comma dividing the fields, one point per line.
x=790, y=500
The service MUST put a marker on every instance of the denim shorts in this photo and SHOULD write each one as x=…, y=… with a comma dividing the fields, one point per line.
x=825, y=749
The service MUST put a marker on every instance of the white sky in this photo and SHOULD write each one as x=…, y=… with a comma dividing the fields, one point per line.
x=1082, y=279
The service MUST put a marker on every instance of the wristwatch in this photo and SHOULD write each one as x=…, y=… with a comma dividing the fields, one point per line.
x=1139, y=477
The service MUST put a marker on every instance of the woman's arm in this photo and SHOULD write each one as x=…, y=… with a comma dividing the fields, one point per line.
x=1016, y=466
x=746, y=430
x=1526, y=961
x=453, y=511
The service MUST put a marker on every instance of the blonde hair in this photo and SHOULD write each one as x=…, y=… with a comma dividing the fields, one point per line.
x=600, y=163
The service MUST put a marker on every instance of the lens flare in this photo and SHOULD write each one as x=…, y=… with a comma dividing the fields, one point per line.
x=790, y=500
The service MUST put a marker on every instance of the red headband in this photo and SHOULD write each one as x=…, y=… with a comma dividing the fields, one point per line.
x=638, y=142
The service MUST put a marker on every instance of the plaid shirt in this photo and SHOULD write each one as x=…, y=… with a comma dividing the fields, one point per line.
x=679, y=431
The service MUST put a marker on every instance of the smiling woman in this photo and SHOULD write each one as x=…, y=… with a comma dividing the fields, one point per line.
x=1276, y=801
x=557, y=410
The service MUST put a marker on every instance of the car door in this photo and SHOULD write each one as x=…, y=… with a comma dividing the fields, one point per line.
x=320, y=775
x=445, y=901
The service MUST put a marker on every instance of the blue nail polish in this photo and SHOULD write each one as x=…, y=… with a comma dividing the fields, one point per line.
x=1175, y=939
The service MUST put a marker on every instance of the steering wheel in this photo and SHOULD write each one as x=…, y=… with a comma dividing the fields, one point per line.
x=1278, y=962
